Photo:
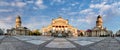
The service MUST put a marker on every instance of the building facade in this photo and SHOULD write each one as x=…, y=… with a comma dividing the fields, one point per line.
x=98, y=30
x=118, y=33
x=1, y=32
x=59, y=27
x=18, y=30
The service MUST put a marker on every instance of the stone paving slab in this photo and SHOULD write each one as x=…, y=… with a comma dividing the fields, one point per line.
x=6, y=46
x=86, y=40
x=27, y=38
x=60, y=43
x=37, y=40
x=10, y=43
x=84, y=43
x=78, y=47
x=35, y=43
x=118, y=38
x=1, y=37
x=107, y=44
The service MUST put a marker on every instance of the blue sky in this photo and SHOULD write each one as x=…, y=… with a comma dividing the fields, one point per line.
x=80, y=13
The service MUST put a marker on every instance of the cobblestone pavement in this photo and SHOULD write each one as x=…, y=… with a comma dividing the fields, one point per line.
x=12, y=43
x=77, y=47
x=106, y=44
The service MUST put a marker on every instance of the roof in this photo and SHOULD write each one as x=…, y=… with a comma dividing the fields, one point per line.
x=19, y=17
x=99, y=16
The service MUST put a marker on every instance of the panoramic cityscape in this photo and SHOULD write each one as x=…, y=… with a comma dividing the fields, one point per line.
x=59, y=25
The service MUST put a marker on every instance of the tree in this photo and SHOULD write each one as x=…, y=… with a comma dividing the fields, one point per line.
x=36, y=32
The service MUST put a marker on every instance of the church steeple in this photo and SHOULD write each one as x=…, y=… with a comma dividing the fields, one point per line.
x=99, y=22
x=18, y=22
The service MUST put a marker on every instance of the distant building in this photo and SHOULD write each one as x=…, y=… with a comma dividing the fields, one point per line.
x=99, y=30
x=18, y=30
x=81, y=33
x=117, y=33
x=1, y=32
x=60, y=27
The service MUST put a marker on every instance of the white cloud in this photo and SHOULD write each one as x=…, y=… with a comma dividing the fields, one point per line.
x=115, y=8
x=30, y=1
x=40, y=4
x=97, y=5
x=86, y=11
x=36, y=24
x=20, y=4
x=83, y=23
x=75, y=3
x=72, y=13
x=6, y=10
x=6, y=22
x=102, y=7
x=66, y=9
x=108, y=11
x=89, y=19
x=2, y=3
x=57, y=2
x=15, y=3
x=35, y=8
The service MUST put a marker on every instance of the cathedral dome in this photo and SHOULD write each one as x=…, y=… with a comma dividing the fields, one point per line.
x=99, y=16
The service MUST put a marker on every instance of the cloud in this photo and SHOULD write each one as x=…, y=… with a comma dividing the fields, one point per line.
x=73, y=13
x=75, y=3
x=109, y=12
x=14, y=3
x=88, y=15
x=20, y=4
x=83, y=23
x=86, y=11
x=37, y=22
x=102, y=7
x=30, y=1
x=98, y=5
x=6, y=22
x=6, y=10
x=115, y=9
x=57, y=2
x=2, y=3
x=40, y=4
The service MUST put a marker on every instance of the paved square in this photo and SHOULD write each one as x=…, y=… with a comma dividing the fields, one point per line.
x=51, y=43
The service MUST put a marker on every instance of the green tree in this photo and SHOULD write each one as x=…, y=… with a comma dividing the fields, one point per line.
x=36, y=32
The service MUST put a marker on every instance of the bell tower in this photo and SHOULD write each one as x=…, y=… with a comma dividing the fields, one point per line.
x=18, y=22
x=99, y=22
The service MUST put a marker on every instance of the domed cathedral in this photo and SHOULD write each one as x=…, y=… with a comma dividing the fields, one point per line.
x=18, y=29
x=18, y=22
x=98, y=30
x=99, y=23
x=59, y=27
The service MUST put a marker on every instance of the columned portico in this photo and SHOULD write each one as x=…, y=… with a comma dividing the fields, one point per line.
x=60, y=27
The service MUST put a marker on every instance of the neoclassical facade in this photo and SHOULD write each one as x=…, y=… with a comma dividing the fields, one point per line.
x=117, y=33
x=1, y=32
x=59, y=27
x=98, y=30
x=18, y=30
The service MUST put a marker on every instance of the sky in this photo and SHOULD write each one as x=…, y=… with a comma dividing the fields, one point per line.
x=81, y=14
